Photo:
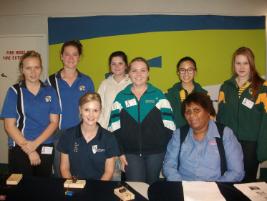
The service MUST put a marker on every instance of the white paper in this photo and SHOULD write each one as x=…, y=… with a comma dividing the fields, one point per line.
x=201, y=191
x=254, y=191
x=47, y=150
x=140, y=187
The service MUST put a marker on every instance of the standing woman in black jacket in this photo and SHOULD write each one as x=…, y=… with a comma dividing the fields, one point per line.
x=142, y=122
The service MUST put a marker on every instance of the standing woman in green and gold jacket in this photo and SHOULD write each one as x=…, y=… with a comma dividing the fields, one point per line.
x=243, y=108
x=186, y=69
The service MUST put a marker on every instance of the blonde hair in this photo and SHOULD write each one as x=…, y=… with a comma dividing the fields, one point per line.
x=29, y=54
x=88, y=97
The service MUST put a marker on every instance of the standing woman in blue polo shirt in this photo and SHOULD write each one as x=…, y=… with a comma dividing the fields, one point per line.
x=87, y=150
x=70, y=85
x=31, y=113
x=142, y=122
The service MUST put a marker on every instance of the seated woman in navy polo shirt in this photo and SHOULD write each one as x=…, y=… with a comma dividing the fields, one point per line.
x=87, y=150
x=31, y=114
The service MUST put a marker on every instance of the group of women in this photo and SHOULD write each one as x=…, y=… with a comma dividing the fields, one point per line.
x=132, y=123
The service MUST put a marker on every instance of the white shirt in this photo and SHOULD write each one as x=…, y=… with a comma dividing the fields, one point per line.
x=108, y=90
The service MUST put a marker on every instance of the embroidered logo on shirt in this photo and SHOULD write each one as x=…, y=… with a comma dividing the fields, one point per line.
x=76, y=147
x=95, y=149
x=212, y=142
x=48, y=99
x=182, y=94
x=250, y=91
x=82, y=88
x=150, y=101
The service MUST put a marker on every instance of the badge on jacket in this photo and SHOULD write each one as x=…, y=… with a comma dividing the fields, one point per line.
x=130, y=103
x=248, y=103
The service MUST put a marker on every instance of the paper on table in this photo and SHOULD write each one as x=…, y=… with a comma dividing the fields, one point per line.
x=201, y=191
x=140, y=187
x=254, y=191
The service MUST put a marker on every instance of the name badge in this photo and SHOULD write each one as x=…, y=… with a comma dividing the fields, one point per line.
x=248, y=103
x=47, y=150
x=130, y=103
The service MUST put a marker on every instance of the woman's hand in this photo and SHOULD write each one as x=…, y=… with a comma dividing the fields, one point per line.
x=29, y=147
x=123, y=162
x=34, y=158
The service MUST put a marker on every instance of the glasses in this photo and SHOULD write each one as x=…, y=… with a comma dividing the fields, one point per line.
x=193, y=111
x=189, y=70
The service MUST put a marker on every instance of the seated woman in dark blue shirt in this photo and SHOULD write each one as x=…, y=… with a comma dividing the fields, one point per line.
x=87, y=150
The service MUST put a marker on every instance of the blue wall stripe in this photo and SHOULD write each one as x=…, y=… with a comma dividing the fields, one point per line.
x=69, y=28
x=155, y=62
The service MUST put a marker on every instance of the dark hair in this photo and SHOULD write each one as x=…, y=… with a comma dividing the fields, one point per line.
x=201, y=99
x=120, y=54
x=74, y=43
x=139, y=59
x=29, y=54
x=254, y=78
x=186, y=59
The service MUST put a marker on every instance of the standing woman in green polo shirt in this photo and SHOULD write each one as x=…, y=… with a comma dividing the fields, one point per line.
x=243, y=108
x=31, y=114
x=186, y=70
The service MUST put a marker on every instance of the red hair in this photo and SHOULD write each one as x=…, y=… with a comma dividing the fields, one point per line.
x=254, y=78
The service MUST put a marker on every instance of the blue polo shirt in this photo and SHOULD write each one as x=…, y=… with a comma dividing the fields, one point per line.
x=69, y=97
x=32, y=112
x=87, y=160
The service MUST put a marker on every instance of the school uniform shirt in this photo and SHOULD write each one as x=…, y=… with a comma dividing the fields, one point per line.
x=200, y=160
x=69, y=97
x=246, y=116
x=32, y=112
x=87, y=159
x=108, y=90
x=176, y=95
x=142, y=126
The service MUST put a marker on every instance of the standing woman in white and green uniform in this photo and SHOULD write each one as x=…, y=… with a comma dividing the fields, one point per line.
x=142, y=122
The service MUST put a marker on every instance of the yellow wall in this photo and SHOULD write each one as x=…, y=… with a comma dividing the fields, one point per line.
x=212, y=50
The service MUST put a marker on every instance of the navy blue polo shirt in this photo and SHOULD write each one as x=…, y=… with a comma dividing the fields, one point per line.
x=69, y=97
x=34, y=116
x=87, y=160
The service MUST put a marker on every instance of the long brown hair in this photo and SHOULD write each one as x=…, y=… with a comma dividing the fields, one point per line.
x=254, y=78
x=120, y=54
